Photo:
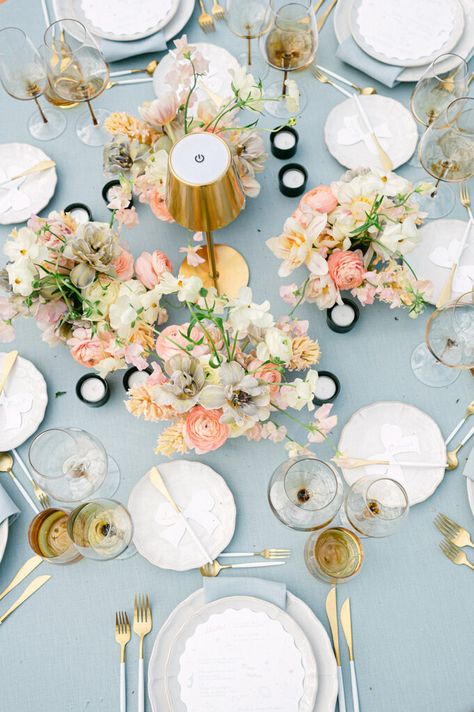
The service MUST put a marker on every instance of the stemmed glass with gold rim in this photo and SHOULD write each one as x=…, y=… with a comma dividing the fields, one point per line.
x=249, y=19
x=78, y=72
x=24, y=77
x=376, y=507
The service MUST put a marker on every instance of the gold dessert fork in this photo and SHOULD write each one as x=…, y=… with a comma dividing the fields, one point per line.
x=218, y=11
x=142, y=624
x=453, y=532
x=122, y=636
x=455, y=554
x=265, y=553
x=205, y=21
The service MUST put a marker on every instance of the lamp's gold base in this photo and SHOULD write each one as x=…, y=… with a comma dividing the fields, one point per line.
x=232, y=269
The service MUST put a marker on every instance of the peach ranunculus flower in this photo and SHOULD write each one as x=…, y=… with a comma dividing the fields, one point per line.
x=149, y=267
x=267, y=372
x=86, y=349
x=204, y=431
x=157, y=203
x=123, y=265
x=171, y=341
x=320, y=199
x=346, y=268
x=295, y=246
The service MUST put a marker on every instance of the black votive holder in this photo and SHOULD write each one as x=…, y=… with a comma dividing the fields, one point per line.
x=78, y=206
x=93, y=404
x=284, y=153
x=107, y=187
x=322, y=401
x=288, y=190
x=337, y=327
x=130, y=372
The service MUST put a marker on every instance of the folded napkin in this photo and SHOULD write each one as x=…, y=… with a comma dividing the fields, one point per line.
x=114, y=51
x=469, y=466
x=8, y=509
x=215, y=588
x=350, y=53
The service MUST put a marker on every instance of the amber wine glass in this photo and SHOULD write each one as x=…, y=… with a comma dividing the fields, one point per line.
x=334, y=555
x=101, y=529
x=24, y=77
x=289, y=45
x=78, y=72
x=249, y=19
x=48, y=537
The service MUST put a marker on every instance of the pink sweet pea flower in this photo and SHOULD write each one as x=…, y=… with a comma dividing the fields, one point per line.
x=192, y=257
x=323, y=422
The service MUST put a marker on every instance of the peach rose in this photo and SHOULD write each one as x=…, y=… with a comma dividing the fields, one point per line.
x=86, y=350
x=320, y=199
x=171, y=341
x=124, y=265
x=266, y=372
x=158, y=205
x=346, y=268
x=204, y=431
x=149, y=268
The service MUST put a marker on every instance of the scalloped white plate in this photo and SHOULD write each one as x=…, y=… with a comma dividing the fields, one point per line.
x=122, y=20
x=24, y=378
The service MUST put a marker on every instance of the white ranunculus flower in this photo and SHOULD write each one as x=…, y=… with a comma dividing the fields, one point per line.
x=301, y=392
x=186, y=288
x=25, y=244
x=277, y=344
x=21, y=275
x=150, y=302
x=400, y=237
x=123, y=314
x=243, y=312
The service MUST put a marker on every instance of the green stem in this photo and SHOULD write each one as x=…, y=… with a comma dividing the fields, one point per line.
x=305, y=284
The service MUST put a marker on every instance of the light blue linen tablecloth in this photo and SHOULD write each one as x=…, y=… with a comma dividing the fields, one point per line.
x=413, y=612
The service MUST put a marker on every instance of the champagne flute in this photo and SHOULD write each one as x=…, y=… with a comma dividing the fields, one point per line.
x=23, y=76
x=101, y=529
x=449, y=343
x=376, y=507
x=249, y=19
x=446, y=149
x=78, y=72
x=289, y=45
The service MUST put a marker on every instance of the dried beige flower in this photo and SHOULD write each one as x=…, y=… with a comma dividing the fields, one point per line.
x=171, y=440
x=142, y=405
x=305, y=353
x=122, y=123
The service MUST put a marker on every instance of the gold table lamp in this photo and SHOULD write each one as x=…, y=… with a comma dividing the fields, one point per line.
x=204, y=193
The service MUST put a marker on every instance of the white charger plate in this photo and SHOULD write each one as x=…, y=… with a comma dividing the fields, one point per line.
x=326, y=696
x=217, y=79
x=70, y=9
x=437, y=235
x=257, y=605
x=183, y=478
x=24, y=378
x=381, y=110
x=361, y=438
x=465, y=46
x=120, y=20
x=38, y=187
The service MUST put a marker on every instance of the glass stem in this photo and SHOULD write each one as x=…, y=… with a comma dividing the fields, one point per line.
x=93, y=116
x=42, y=114
x=249, y=51
x=285, y=77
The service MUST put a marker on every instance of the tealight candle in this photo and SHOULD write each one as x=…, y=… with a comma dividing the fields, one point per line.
x=79, y=211
x=93, y=390
x=134, y=377
x=106, y=192
x=327, y=388
x=292, y=180
x=283, y=142
x=341, y=318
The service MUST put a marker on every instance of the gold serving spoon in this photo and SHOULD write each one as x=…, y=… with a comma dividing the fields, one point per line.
x=149, y=69
x=452, y=456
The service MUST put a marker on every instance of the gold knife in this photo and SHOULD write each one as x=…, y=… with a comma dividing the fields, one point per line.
x=325, y=15
x=331, y=612
x=21, y=574
x=29, y=591
x=8, y=363
x=347, y=628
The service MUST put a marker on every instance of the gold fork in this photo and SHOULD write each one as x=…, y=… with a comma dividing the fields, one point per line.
x=265, y=553
x=465, y=199
x=455, y=554
x=142, y=624
x=206, y=23
x=446, y=291
x=217, y=10
x=122, y=636
x=322, y=20
x=40, y=494
x=456, y=534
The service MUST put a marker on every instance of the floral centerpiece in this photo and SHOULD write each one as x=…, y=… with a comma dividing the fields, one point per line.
x=85, y=290
x=223, y=374
x=354, y=235
x=138, y=151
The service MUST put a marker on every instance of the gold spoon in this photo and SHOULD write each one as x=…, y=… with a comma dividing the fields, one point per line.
x=6, y=465
x=149, y=69
x=452, y=455
x=213, y=569
x=365, y=91
x=468, y=413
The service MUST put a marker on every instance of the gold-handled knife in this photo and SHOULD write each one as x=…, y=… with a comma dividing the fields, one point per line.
x=21, y=574
x=37, y=168
x=29, y=591
x=331, y=612
x=8, y=363
x=347, y=628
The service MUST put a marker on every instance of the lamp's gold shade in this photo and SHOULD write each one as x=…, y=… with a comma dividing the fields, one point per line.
x=204, y=193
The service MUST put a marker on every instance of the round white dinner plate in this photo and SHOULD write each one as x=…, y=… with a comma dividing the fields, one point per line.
x=407, y=33
x=349, y=141
x=304, y=617
x=119, y=20
x=185, y=480
x=71, y=9
x=369, y=434
x=173, y=680
x=24, y=380
x=434, y=254
x=218, y=79
x=24, y=197
x=465, y=46
x=3, y=537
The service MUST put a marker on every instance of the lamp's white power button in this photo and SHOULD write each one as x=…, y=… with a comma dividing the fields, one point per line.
x=199, y=158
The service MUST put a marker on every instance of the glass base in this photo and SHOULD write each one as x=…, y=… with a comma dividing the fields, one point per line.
x=90, y=134
x=258, y=68
x=438, y=206
x=277, y=105
x=430, y=371
x=54, y=127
